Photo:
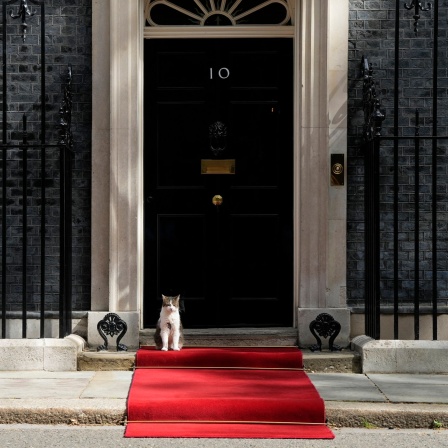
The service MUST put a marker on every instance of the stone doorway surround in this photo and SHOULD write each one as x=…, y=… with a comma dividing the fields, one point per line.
x=320, y=129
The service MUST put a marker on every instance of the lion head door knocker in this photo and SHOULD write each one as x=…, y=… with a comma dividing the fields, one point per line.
x=218, y=137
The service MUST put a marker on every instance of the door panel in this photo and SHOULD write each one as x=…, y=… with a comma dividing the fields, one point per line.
x=255, y=135
x=231, y=263
x=179, y=143
x=249, y=279
x=181, y=70
x=181, y=241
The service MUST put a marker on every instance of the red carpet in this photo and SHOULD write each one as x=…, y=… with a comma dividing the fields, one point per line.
x=224, y=392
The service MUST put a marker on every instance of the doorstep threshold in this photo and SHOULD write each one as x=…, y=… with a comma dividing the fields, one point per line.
x=272, y=336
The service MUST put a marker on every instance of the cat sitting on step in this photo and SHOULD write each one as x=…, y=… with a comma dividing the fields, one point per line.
x=169, y=332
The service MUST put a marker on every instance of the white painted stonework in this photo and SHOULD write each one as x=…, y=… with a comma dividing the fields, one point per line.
x=320, y=33
x=54, y=355
x=397, y=356
x=308, y=315
x=130, y=339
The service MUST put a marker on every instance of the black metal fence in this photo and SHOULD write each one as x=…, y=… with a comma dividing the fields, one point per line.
x=34, y=207
x=405, y=200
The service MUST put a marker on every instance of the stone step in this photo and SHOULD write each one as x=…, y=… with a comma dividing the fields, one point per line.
x=110, y=360
x=345, y=361
x=325, y=361
x=219, y=337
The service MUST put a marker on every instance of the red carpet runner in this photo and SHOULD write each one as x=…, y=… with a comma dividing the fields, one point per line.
x=235, y=392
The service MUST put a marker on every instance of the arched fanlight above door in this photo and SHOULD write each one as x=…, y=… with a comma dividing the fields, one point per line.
x=217, y=12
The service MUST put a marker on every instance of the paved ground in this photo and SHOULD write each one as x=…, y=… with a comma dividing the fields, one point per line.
x=60, y=436
x=352, y=400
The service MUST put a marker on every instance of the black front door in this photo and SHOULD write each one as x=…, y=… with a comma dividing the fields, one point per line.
x=218, y=180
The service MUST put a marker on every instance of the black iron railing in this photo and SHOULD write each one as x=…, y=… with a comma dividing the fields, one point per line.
x=373, y=119
x=425, y=206
x=17, y=155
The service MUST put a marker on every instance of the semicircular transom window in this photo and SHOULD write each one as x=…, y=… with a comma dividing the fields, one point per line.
x=217, y=12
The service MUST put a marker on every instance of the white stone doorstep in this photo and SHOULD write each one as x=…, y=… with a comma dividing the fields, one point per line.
x=54, y=355
x=401, y=356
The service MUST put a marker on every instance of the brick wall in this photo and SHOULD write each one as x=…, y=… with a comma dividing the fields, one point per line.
x=68, y=40
x=372, y=33
x=372, y=22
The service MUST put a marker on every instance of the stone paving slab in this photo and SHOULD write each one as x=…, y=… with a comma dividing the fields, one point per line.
x=346, y=387
x=351, y=400
x=41, y=384
x=39, y=388
x=108, y=385
x=125, y=376
x=402, y=378
x=406, y=388
x=43, y=374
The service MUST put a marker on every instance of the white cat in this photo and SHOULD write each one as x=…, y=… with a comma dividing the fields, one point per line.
x=169, y=332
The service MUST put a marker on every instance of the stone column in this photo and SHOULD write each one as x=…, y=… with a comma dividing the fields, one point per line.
x=100, y=154
x=125, y=246
x=126, y=202
x=321, y=66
